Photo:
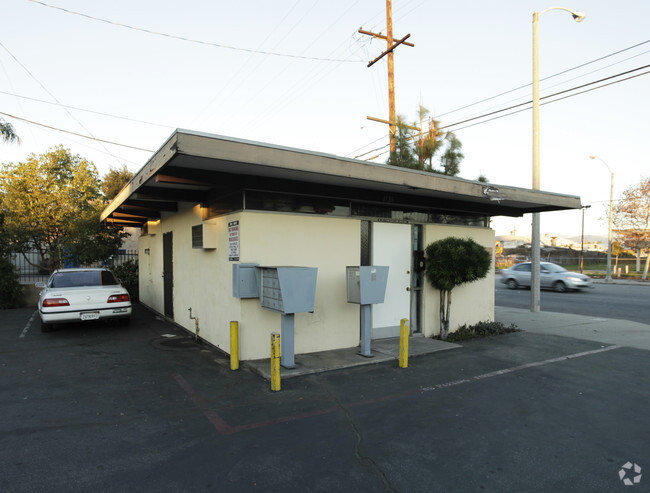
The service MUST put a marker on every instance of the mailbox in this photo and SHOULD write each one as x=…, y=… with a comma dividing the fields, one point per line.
x=287, y=290
x=367, y=284
x=244, y=281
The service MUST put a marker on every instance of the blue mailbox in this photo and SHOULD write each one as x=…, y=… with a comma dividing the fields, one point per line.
x=287, y=290
x=366, y=286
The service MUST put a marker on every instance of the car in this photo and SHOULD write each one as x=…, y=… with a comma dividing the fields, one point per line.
x=80, y=295
x=552, y=276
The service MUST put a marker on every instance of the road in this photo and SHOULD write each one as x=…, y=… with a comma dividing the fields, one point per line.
x=103, y=408
x=620, y=301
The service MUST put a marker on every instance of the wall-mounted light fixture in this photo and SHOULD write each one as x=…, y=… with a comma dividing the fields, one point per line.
x=147, y=251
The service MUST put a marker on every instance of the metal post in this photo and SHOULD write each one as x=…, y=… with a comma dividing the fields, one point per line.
x=404, y=343
x=275, y=361
x=535, y=240
x=365, y=331
x=234, y=345
x=287, y=340
x=608, y=276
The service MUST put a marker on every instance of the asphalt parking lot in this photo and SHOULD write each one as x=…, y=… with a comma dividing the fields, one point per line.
x=105, y=408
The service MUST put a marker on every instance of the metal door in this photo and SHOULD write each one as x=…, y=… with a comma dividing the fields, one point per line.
x=391, y=246
x=168, y=274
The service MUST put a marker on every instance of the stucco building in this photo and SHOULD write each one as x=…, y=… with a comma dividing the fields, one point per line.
x=206, y=203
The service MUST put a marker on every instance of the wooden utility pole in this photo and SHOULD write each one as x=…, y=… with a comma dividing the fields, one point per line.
x=390, y=47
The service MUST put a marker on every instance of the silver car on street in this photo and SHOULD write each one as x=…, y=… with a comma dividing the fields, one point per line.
x=552, y=276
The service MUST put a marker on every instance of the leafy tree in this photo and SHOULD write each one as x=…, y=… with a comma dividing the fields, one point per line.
x=452, y=157
x=417, y=151
x=115, y=180
x=52, y=203
x=403, y=155
x=631, y=217
x=7, y=132
x=451, y=262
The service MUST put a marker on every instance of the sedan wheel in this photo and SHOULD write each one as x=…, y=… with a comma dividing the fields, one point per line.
x=512, y=284
x=559, y=287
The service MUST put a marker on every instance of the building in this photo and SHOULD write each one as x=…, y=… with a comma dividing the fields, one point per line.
x=206, y=203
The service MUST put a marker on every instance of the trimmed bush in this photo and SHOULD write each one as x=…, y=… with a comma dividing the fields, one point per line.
x=481, y=329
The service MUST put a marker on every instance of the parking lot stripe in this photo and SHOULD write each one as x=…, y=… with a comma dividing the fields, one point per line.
x=225, y=429
x=27, y=326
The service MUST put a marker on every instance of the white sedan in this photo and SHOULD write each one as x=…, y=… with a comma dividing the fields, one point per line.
x=77, y=295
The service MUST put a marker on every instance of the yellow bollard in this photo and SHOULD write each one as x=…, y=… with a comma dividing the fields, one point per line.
x=404, y=343
x=275, y=361
x=234, y=345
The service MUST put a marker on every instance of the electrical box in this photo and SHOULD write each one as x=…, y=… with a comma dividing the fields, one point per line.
x=287, y=290
x=367, y=284
x=204, y=236
x=244, y=281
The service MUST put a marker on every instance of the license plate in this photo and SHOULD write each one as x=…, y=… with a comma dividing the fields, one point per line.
x=90, y=316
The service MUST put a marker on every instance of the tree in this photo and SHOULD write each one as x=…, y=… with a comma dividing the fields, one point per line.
x=631, y=217
x=450, y=263
x=417, y=151
x=403, y=155
x=115, y=180
x=52, y=203
x=8, y=133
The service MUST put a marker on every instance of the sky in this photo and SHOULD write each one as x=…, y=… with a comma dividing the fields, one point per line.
x=294, y=73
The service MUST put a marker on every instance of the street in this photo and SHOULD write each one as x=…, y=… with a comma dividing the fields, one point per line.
x=104, y=408
x=619, y=301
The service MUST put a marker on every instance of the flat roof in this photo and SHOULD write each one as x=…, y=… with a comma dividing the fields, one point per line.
x=198, y=168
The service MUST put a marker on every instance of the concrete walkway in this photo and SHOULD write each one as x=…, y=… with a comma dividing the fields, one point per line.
x=382, y=349
x=604, y=330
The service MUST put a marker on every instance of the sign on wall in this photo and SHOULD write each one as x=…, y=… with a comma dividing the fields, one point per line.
x=233, y=241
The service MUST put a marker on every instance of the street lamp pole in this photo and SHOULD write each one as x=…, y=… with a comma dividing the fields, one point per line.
x=535, y=236
x=582, y=237
x=608, y=276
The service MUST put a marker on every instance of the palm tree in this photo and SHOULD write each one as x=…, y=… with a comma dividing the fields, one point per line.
x=8, y=133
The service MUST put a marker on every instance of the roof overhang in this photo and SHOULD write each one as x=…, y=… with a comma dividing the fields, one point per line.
x=196, y=167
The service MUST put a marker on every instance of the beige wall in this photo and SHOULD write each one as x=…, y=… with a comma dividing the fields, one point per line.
x=203, y=278
x=470, y=303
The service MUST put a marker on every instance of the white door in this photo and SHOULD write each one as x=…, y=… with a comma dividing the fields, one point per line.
x=391, y=246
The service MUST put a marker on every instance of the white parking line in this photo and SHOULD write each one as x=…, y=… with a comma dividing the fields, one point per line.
x=28, y=325
x=518, y=368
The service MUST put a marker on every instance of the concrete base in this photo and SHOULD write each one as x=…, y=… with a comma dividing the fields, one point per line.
x=383, y=350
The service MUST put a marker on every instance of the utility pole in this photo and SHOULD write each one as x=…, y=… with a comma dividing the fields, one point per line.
x=390, y=47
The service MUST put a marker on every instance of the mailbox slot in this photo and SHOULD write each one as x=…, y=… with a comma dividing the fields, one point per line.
x=367, y=284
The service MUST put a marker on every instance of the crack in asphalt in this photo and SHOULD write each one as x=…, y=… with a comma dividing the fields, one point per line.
x=363, y=458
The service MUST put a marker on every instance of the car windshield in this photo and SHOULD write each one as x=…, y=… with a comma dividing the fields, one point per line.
x=82, y=278
x=554, y=268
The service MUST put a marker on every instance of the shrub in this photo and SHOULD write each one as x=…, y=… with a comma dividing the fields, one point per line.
x=481, y=329
x=11, y=292
x=127, y=273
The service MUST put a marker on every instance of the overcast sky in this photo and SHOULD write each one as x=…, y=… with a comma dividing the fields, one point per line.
x=294, y=73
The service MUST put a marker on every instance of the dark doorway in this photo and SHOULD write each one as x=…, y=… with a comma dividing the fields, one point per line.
x=168, y=274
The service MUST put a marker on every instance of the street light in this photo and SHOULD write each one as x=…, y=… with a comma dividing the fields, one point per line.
x=582, y=237
x=608, y=276
x=535, y=253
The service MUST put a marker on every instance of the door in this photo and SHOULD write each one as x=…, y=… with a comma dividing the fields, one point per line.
x=391, y=246
x=168, y=274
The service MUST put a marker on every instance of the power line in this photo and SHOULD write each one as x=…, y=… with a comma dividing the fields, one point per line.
x=191, y=40
x=529, y=102
x=545, y=78
x=86, y=110
x=54, y=97
x=75, y=133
